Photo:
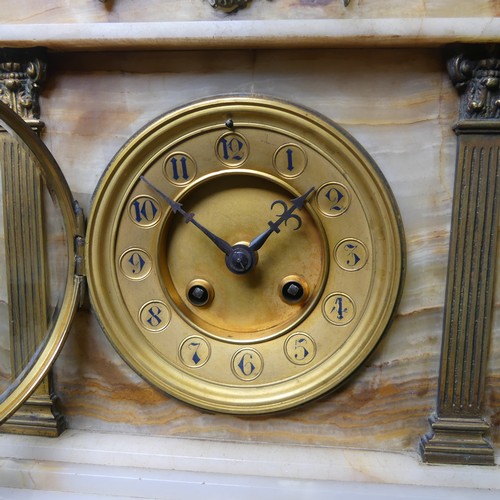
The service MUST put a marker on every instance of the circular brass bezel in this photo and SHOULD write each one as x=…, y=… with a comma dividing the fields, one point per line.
x=327, y=371
x=57, y=186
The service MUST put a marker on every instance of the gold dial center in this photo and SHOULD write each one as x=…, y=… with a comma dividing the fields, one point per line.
x=247, y=307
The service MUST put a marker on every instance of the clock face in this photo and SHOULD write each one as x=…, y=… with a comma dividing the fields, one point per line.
x=244, y=254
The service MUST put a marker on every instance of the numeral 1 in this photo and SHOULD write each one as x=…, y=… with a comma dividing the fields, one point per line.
x=290, y=160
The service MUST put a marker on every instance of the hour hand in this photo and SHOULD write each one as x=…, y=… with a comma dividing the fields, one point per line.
x=189, y=217
x=296, y=204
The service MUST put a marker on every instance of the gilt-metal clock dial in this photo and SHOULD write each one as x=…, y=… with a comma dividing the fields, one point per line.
x=245, y=255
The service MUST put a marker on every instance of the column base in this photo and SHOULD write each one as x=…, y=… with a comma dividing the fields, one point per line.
x=457, y=440
x=38, y=416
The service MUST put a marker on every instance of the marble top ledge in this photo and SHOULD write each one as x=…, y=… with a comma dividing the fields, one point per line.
x=236, y=34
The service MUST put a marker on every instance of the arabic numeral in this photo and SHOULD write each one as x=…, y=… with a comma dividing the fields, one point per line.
x=194, y=352
x=179, y=168
x=232, y=149
x=154, y=316
x=247, y=364
x=300, y=348
x=339, y=309
x=333, y=199
x=289, y=156
x=290, y=160
x=175, y=168
x=351, y=254
x=144, y=211
x=135, y=264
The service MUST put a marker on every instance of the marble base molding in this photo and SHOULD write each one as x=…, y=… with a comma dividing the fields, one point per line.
x=459, y=432
x=128, y=466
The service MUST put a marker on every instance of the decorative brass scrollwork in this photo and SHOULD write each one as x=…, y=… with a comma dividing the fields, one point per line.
x=228, y=5
x=234, y=5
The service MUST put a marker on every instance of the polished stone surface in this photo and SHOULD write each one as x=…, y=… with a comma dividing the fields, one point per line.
x=120, y=11
x=230, y=34
x=399, y=105
x=93, y=465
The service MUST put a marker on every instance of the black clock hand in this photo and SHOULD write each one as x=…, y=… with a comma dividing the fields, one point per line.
x=297, y=204
x=189, y=217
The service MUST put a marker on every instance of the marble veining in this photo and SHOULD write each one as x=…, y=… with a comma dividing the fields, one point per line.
x=399, y=106
x=78, y=11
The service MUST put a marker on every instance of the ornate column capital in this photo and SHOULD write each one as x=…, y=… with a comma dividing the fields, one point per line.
x=476, y=75
x=459, y=433
x=21, y=74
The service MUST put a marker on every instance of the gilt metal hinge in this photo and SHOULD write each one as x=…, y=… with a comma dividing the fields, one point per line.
x=79, y=242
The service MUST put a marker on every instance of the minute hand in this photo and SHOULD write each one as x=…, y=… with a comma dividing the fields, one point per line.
x=297, y=204
x=189, y=217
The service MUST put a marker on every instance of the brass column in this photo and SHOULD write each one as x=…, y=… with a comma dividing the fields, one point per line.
x=460, y=434
x=21, y=72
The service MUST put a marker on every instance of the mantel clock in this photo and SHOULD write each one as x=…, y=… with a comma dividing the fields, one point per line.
x=242, y=254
